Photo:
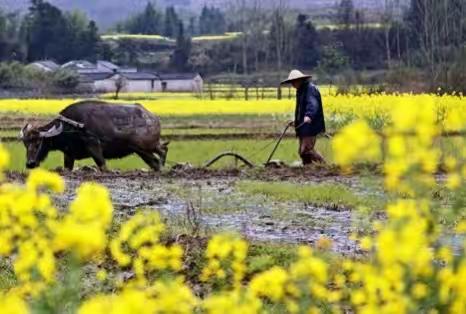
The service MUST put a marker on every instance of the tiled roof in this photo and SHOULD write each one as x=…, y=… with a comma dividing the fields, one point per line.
x=92, y=77
x=48, y=64
x=78, y=64
x=140, y=76
x=177, y=76
x=107, y=64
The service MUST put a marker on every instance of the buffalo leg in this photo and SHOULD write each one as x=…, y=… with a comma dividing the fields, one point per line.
x=95, y=150
x=69, y=162
x=151, y=160
x=162, y=155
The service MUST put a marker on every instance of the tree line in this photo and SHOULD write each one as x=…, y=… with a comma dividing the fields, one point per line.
x=46, y=32
x=424, y=41
x=427, y=35
x=153, y=21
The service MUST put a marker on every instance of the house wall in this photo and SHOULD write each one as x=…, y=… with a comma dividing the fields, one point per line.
x=132, y=86
x=142, y=86
x=195, y=85
x=104, y=86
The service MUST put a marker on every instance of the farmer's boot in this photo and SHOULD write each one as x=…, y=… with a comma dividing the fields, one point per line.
x=307, y=159
x=317, y=157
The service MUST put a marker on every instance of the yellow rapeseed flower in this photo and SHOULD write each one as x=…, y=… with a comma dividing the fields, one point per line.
x=13, y=304
x=42, y=178
x=356, y=142
x=419, y=290
x=233, y=302
x=270, y=284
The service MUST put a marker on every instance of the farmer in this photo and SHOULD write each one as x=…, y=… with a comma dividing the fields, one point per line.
x=309, y=116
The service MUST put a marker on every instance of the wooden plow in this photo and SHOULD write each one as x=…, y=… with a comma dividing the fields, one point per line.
x=244, y=160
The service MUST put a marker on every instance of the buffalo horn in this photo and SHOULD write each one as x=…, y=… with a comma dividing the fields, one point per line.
x=25, y=128
x=54, y=131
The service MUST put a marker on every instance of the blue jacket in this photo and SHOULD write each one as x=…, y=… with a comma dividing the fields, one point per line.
x=309, y=103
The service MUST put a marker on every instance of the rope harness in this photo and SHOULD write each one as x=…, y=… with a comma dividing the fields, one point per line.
x=71, y=122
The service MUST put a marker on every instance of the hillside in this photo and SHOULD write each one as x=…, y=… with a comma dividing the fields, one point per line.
x=107, y=12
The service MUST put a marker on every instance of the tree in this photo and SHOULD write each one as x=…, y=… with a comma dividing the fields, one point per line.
x=91, y=42
x=280, y=34
x=437, y=29
x=65, y=80
x=345, y=13
x=258, y=21
x=51, y=34
x=211, y=21
x=180, y=57
x=306, y=50
x=151, y=19
x=387, y=20
x=11, y=41
x=76, y=23
x=333, y=60
x=47, y=32
x=120, y=83
x=147, y=22
x=172, y=23
x=192, y=27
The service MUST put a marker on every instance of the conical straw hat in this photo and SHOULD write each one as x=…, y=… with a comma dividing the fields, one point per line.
x=295, y=75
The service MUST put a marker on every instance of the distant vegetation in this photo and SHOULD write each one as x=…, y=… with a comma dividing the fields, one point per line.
x=252, y=40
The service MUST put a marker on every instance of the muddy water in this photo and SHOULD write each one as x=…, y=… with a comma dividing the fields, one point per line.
x=221, y=207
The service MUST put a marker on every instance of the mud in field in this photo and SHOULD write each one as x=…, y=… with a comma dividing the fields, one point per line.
x=214, y=203
x=219, y=206
x=311, y=174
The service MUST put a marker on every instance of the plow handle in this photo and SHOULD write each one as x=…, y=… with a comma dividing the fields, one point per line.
x=279, y=141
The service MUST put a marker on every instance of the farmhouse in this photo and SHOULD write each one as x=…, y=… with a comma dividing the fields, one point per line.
x=106, y=77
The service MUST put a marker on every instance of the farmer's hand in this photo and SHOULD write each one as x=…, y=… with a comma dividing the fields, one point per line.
x=291, y=123
x=307, y=119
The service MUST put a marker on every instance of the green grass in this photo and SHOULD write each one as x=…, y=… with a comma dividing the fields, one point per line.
x=194, y=152
x=341, y=26
x=226, y=36
x=9, y=133
x=317, y=194
x=198, y=152
x=227, y=120
x=137, y=37
x=7, y=276
x=263, y=256
x=216, y=131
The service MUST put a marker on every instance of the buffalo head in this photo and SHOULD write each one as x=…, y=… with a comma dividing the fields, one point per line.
x=34, y=139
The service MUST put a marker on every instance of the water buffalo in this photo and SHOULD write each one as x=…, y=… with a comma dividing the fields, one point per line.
x=99, y=130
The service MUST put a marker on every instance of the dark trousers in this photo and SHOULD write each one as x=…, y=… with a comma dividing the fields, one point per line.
x=307, y=150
